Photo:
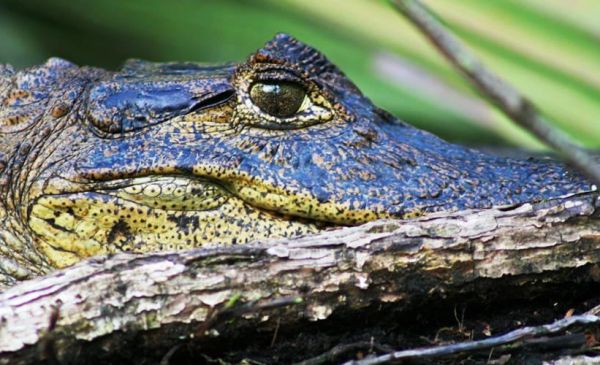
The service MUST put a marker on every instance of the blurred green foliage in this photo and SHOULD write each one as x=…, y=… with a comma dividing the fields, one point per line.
x=549, y=49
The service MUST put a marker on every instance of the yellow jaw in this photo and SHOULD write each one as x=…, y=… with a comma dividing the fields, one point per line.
x=150, y=214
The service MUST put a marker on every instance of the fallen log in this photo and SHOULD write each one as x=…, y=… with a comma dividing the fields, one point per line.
x=144, y=307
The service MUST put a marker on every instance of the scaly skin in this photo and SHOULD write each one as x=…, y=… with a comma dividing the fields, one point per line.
x=177, y=155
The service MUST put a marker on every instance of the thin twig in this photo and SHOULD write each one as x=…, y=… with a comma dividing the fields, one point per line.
x=274, y=338
x=342, y=350
x=166, y=359
x=503, y=95
x=516, y=338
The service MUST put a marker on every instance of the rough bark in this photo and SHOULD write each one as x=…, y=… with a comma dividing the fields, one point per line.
x=141, y=306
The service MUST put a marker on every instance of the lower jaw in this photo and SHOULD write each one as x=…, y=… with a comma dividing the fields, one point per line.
x=71, y=227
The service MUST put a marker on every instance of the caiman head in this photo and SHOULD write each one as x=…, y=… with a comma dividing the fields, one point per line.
x=161, y=156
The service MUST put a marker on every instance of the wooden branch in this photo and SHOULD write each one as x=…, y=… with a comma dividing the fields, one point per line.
x=508, y=99
x=516, y=338
x=155, y=301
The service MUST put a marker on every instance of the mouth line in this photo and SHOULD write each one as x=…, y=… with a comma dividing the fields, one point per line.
x=179, y=193
x=172, y=193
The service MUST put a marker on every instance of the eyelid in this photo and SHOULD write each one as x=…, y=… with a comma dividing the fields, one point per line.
x=278, y=75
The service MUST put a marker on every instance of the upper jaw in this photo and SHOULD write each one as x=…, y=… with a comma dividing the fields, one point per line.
x=165, y=188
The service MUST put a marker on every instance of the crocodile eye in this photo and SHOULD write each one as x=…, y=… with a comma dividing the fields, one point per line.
x=280, y=99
